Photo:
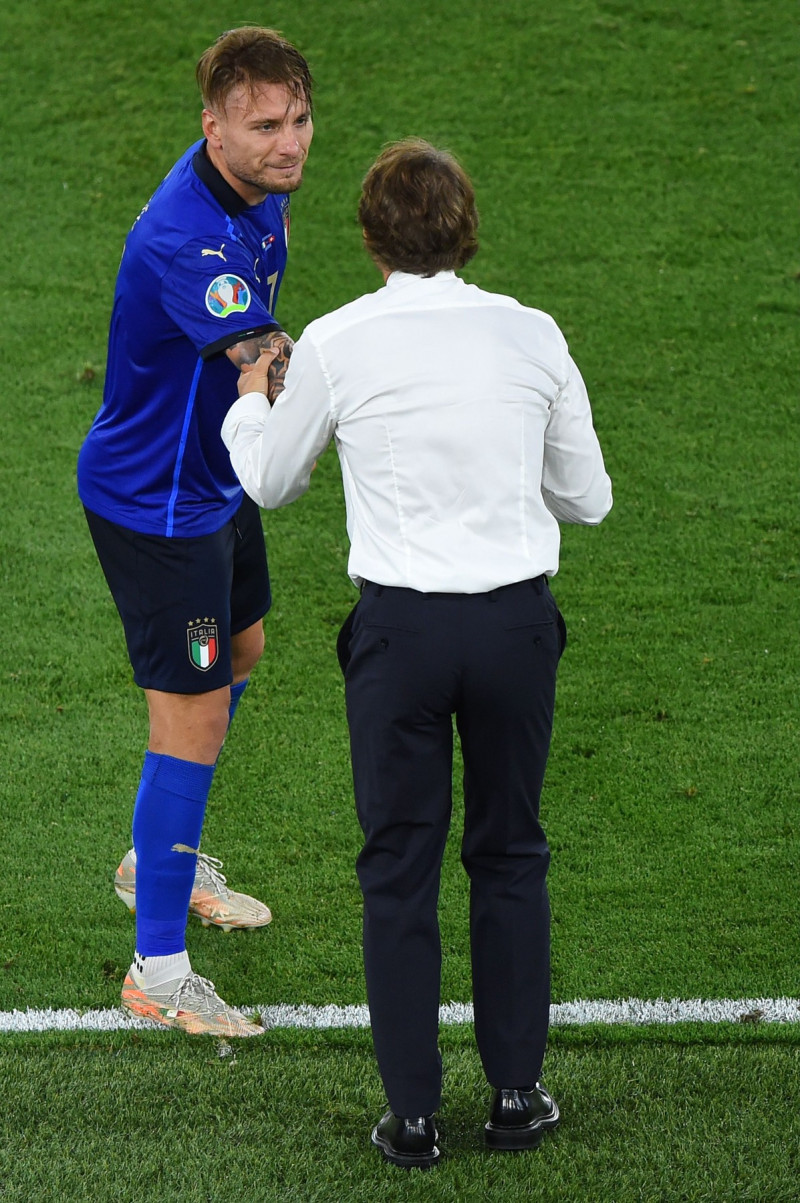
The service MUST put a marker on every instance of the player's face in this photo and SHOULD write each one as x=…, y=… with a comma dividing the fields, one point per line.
x=259, y=141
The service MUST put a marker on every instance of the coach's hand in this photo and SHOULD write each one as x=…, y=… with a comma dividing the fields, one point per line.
x=254, y=377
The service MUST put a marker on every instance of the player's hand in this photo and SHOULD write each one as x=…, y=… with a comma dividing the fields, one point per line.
x=254, y=377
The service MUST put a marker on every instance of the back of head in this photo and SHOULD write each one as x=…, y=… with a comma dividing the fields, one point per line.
x=417, y=210
x=248, y=56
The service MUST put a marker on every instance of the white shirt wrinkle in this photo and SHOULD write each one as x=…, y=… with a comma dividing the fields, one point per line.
x=328, y=381
x=463, y=430
x=523, y=520
x=397, y=496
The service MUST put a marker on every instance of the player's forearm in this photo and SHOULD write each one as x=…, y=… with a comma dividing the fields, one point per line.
x=248, y=351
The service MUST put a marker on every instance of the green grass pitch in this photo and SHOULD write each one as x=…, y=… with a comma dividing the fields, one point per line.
x=635, y=166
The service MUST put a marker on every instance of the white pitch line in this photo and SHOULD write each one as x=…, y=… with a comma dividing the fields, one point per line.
x=635, y=1011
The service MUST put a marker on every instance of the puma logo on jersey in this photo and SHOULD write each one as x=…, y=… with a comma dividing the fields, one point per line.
x=219, y=253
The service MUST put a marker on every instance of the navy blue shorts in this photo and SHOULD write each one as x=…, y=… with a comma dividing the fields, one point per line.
x=181, y=600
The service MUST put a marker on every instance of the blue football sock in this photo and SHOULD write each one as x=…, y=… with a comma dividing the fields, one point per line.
x=236, y=697
x=169, y=811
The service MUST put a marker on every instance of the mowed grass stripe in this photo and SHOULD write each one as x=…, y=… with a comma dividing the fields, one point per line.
x=634, y=1011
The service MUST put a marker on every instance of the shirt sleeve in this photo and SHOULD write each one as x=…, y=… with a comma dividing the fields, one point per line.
x=273, y=451
x=575, y=485
x=211, y=293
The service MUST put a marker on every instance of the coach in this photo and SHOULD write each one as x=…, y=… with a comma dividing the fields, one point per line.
x=465, y=434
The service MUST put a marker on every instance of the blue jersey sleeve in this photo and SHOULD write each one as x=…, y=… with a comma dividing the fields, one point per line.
x=213, y=294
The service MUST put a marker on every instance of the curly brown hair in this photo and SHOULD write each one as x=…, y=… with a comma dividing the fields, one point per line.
x=417, y=210
x=250, y=55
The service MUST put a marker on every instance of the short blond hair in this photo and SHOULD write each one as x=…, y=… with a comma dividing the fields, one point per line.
x=251, y=55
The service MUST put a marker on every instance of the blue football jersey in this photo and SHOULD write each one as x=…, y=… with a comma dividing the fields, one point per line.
x=200, y=271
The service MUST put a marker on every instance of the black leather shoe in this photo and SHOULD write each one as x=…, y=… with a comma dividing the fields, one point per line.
x=410, y=1143
x=519, y=1118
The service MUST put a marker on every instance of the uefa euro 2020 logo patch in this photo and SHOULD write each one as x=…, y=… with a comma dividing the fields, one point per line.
x=227, y=294
x=203, y=643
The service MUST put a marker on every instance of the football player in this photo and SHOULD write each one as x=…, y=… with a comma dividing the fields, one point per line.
x=180, y=545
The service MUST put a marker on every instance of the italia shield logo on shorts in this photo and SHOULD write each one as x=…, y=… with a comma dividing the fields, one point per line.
x=203, y=644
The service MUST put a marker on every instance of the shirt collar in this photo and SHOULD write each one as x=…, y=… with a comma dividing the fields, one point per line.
x=401, y=279
x=218, y=186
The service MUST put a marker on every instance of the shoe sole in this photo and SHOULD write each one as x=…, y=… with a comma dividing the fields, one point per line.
x=518, y=1139
x=407, y=1161
x=129, y=899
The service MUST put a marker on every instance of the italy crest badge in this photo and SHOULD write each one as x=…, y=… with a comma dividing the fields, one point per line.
x=203, y=644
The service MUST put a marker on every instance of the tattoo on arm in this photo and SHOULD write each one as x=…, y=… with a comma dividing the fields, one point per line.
x=249, y=351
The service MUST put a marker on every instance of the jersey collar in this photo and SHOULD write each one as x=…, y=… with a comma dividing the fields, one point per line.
x=220, y=189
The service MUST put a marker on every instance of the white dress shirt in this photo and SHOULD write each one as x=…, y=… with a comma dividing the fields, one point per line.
x=463, y=429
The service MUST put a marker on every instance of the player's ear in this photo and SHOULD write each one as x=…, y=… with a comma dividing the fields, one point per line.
x=211, y=128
